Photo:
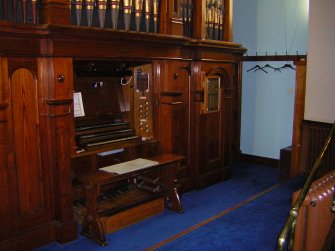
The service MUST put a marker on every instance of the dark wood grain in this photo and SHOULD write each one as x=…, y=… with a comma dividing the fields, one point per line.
x=38, y=158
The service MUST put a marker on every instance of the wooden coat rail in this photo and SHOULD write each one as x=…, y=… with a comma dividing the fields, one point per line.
x=275, y=58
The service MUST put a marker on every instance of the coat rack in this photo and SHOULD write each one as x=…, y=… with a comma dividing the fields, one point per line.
x=266, y=57
x=275, y=57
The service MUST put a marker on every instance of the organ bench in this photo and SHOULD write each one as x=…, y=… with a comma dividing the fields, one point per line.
x=160, y=174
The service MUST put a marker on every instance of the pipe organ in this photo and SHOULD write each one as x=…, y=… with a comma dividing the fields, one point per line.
x=86, y=85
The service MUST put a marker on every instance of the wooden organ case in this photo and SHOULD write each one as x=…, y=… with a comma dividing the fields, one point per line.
x=163, y=82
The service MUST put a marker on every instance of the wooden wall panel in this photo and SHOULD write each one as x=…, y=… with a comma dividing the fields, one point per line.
x=5, y=209
x=210, y=152
x=27, y=141
x=173, y=95
x=27, y=197
x=227, y=134
x=60, y=133
x=314, y=135
x=173, y=123
x=213, y=135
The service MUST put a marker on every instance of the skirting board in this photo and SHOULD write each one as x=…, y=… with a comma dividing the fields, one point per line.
x=259, y=160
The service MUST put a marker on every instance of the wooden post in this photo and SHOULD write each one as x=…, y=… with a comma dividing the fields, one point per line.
x=299, y=108
x=198, y=23
x=55, y=12
x=59, y=95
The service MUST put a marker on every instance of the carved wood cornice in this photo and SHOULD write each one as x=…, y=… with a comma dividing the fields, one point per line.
x=81, y=42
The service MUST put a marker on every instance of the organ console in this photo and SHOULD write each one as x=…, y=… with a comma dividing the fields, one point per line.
x=83, y=87
x=115, y=100
x=117, y=103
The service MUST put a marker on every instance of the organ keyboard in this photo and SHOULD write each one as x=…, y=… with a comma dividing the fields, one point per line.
x=101, y=134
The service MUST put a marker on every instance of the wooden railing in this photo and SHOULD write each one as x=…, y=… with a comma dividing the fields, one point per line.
x=286, y=237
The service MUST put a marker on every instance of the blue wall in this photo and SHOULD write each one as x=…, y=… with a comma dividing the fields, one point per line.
x=269, y=27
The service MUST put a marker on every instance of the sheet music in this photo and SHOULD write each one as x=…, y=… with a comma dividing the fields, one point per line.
x=78, y=105
x=130, y=166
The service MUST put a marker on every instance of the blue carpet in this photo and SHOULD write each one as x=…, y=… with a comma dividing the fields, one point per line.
x=247, y=180
x=255, y=226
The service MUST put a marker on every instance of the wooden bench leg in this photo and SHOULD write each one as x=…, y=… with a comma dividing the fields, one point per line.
x=92, y=227
x=172, y=197
x=93, y=230
x=175, y=199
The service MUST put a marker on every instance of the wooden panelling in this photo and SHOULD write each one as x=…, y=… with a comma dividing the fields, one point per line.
x=59, y=128
x=173, y=126
x=213, y=137
x=173, y=95
x=32, y=194
x=27, y=145
x=5, y=209
x=37, y=125
x=210, y=142
x=314, y=135
x=26, y=182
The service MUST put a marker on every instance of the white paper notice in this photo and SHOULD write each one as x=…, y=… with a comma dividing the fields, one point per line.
x=78, y=105
x=130, y=166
